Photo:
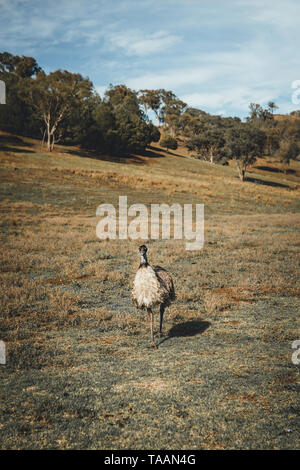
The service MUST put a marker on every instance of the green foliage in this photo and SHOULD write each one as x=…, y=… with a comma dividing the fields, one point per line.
x=209, y=145
x=22, y=67
x=118, y=124
x=295, y=113
x=288, y=151
x=54, y=98
x=165, y=105
x=206, y=134
x=63, y=106
x=283, y=137
x=131, y=128
x=150, y=99
x=155, y=100
x=244, y=144
x=168, y=142
x=272, y=106
x=272, y=139
x=261, y=117
x=17, y=115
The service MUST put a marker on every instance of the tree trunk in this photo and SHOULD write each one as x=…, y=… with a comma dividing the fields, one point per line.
x=48, y=132
x=43, y=139
x=241, y=169
x=51, y=131
x=48, y=140
x=53, y=141
x=157, y=117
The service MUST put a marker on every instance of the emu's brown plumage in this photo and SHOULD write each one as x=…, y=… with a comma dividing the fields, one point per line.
x=152, y=286
x=165, y=279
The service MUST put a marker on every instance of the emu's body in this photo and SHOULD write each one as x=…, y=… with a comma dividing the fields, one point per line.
x=152, y=286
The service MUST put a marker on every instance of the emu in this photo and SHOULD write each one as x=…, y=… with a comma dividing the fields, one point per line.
x=152, y=286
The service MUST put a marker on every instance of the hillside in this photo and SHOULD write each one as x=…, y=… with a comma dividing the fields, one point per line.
x=289, y=117
x=79, y=373
x=173, y=175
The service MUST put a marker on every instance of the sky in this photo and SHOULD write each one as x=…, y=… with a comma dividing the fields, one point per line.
x=216, y=55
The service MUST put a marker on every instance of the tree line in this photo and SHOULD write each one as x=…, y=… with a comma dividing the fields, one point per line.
x=64, y=107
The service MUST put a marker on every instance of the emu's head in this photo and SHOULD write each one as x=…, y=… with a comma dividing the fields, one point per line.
x=143, y=249
x=143, y=252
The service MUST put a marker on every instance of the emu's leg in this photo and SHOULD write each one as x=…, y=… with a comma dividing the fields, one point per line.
x=150, y=316
x=161, y=311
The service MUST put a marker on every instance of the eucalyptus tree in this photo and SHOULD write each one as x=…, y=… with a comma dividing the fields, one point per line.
x=208, y=145
x=54, y=97
x=244, y=144
x=17, y=115
x=288, y=151
x=168, y=142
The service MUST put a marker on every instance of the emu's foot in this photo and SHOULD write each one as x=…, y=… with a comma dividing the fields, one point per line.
x=160, y=334
x=152, y=345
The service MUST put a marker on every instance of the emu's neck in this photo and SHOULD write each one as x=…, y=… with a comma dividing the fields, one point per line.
x=144, y=261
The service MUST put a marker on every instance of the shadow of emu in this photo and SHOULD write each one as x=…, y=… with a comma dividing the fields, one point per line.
x=188, y=328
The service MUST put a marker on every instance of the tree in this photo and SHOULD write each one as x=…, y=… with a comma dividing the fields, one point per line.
x=121, y=96
x=288, y=151
x=245, y=143
x=132, y=125
x=171, y=111
x=151, y=99
x=287, y=135
x=118, y=125
x=159, y=100
x=259, y=116
x=272, y=139
x=205, y=134
x=21, y=66
x=17, y=115
x=169, y=142
x=272, y=106
x=293, y=130
x=209, y=144
x=165, y=105
x=53, y=97
x=191, y=122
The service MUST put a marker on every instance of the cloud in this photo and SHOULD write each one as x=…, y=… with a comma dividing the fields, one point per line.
x=101, y=89
x=137, y=43
x=216, y=55
x=171, y=78
x=278, y=14
x=253, y=71
x=237, y=98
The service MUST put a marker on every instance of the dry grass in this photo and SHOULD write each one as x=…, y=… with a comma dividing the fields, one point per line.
x=79, y=374
x=153, y=386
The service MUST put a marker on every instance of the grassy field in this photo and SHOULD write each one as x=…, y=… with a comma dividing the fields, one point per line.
x=79, y=372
